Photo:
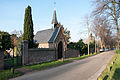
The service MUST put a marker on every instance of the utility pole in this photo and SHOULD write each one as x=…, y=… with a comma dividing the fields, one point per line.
x=95, y=46
x=88, y=37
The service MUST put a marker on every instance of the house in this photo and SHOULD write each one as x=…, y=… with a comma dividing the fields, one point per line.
x=52, y=38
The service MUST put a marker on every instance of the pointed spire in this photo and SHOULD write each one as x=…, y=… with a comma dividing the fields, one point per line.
x=54, y=20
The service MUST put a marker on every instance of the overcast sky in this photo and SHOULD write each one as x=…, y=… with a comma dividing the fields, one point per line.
x=70, y=13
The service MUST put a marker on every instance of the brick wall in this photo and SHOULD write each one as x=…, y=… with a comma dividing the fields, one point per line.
x=40, y=55
x=1, y=61
x=70, y=53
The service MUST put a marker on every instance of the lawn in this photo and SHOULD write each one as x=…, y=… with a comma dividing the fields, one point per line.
x=54, y=63
x=46, y=65
x=84, y=56
x=112, y=72
x=7, y=74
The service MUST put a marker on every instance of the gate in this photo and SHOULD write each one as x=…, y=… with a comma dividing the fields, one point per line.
x=19, y=55
x=15, y=59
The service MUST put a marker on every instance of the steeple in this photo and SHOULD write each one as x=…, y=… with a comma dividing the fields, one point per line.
x=54, y=20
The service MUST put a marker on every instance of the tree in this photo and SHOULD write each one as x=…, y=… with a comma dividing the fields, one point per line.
x=79, y=46
x=14, y=40
x=28, y=27
x=67, y=34
x=18, y=33
x=5, y=41
x=101, y=28
x=110, y=9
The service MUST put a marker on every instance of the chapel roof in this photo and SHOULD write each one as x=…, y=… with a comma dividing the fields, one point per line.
x=45, y=36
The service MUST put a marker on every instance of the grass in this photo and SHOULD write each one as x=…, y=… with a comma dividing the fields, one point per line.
x=9, y=62
x=7, y=74
x=84, y=56
x=46, y=65
x=112, y=71
x=54, y=63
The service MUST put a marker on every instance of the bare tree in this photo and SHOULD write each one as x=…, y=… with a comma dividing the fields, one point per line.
x=18, y=33
x=14, y=40
x=101, y=28
x=110, y=9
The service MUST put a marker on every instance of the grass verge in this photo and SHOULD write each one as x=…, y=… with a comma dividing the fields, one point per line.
x=54, y=63
x=112, y=71
x=7, y=74
x=84, y=56
x=46, y=65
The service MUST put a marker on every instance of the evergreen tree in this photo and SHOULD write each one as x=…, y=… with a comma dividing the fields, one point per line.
x=5, y=41
x=28, y=27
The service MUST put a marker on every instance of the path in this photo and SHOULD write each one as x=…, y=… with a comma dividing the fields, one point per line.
x=85, y=69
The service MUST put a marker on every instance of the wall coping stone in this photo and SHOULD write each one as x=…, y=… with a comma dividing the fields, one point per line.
x=42, y=49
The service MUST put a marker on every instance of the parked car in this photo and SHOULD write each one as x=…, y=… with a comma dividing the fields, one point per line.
x=106, y=49
x=101, y=50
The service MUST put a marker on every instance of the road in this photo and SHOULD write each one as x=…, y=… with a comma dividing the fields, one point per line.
x=85, y=69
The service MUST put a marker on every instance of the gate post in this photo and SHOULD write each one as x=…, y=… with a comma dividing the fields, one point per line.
x=1, y=60
x=24, y=52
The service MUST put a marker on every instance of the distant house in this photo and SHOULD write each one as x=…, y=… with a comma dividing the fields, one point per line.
x=52, y=38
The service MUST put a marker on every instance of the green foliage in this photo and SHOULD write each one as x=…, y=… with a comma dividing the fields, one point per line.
x=83, y=57
x=7, y=74
x=92, y=47
x=46, y=65
x=28, y=27
x=79, y=46
x=118, y=51
x=113, y=70
x=5, y=41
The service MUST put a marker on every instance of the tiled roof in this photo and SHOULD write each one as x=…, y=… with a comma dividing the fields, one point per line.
x=48, y=35
x=43, y=36
x=54, y=35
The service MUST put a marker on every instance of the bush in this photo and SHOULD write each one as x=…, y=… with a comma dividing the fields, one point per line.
x=5, y=41
x=118, y=51
x=80, y=45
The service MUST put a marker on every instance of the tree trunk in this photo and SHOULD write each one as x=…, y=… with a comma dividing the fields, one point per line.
x=116, y=20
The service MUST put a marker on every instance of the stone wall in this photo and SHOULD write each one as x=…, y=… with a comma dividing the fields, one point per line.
x=1, y=61
x=40, y=55
x=70, y=53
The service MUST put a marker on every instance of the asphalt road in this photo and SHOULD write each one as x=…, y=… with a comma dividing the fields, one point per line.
x=85, y=69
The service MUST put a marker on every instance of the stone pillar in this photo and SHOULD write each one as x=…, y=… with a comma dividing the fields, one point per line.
x=1, y=60
x=24, y=52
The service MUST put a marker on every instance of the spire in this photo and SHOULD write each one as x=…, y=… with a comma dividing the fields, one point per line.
x=54, y=20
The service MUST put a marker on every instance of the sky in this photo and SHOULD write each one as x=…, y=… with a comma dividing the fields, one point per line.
x=70, y=13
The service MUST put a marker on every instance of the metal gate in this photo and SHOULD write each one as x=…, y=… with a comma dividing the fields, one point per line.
x=15, y=60
x=19, y=56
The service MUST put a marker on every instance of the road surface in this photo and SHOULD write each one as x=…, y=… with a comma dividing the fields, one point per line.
x=85, y=69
